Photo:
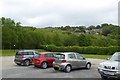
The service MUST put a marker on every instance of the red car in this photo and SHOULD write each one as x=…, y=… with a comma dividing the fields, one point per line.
x=43, y=59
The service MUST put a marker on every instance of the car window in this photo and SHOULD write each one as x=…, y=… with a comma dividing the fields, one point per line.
x=21, y=53
x=79, y=56
x=30, y=53
x=49, y=55
x=37, y=55
x=17, y=53
x=72, y=56
x=24, y=53
x=60, y=56
x=115, y=57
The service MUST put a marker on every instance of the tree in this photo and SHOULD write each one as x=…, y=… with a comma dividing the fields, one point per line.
x=84, y=40
x=91, y=27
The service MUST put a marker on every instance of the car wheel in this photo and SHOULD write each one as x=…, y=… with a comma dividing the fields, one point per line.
x=88, y=66
x=35, y=66
x=44, y=65
x=103, y=77
x=56, y=68
x=18, y=64
x=68, y=68
x=27, y=62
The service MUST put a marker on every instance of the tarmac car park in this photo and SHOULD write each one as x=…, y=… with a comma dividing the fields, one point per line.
x=32, y=72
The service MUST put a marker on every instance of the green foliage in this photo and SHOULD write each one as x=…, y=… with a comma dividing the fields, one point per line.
x=97, y=40
x=84, y=40
x=83, y=50
x=59, y=38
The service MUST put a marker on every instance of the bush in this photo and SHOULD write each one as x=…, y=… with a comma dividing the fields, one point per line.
x=83, y=50
x=113, y=49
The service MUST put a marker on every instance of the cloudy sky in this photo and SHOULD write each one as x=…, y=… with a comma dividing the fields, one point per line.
x=45, y=13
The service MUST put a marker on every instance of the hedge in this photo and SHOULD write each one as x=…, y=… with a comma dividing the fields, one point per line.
x=83, y=50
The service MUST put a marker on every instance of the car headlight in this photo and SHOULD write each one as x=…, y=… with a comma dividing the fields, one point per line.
x=101, y=66
x=118, y=68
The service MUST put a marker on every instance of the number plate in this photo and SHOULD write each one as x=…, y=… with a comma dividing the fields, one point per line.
x=109, y=73
x=57, y=66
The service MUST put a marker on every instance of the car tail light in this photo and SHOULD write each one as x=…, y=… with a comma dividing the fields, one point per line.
x=22, y=56
x=63, y=61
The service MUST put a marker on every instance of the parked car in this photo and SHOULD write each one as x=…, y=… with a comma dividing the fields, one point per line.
x=24, y=57
x=70, y=60
x=111, y=67
x=43, y=59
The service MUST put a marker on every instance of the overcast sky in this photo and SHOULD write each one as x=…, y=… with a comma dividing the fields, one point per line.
x=45, y=13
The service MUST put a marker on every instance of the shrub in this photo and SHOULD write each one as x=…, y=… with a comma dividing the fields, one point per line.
x=83, y=50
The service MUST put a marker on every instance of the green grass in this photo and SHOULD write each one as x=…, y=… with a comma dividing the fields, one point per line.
x=8, y=52
x=12, y=53
x=96, y=56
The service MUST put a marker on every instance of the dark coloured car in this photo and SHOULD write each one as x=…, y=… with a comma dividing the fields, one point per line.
x=44, y=59
x=24, y=57
x=70, y=60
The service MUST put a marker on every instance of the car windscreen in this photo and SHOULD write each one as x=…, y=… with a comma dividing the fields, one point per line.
x=37, y=55
x=115, y=57
x=60, y=56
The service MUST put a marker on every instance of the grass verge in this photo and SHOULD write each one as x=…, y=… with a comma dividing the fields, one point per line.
x=96, y=56
x=12, y=53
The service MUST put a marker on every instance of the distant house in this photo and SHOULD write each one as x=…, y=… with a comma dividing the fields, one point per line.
x=93, y=31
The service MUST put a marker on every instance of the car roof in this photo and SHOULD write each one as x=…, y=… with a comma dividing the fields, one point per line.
x=117, y=52
x=45, y=52
x=65, y=53
x=27, y=51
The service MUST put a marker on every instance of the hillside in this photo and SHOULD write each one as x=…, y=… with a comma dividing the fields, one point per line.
x=23, y=37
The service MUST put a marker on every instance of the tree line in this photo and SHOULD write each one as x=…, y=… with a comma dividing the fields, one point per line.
x=15, y=36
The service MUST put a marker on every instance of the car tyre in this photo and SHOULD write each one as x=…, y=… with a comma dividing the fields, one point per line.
x=18, y=64
x=68, y=68
x=27, y=62
x=56, y=68
x=103, y=77
x=88, y=66
x=35, y=66
x=44, y=65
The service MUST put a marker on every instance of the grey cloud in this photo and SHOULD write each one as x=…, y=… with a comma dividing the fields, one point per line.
x=59, y=13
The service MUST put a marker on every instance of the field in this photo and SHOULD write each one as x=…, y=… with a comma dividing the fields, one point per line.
x=12, y=53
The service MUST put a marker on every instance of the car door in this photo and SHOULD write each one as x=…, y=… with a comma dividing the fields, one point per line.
x=72, y=60
x=49, y=58
x=81, y=61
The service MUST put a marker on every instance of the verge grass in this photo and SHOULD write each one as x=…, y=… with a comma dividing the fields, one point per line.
x=12, y=53
x=96, y=56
